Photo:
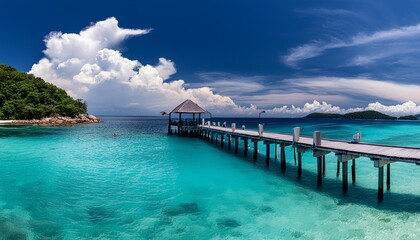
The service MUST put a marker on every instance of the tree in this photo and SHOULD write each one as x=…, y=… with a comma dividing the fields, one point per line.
x=24, y=96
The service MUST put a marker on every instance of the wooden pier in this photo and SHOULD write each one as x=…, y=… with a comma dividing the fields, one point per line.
x=381, y=155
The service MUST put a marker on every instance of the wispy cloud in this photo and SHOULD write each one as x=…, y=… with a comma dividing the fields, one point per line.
x=231, y=84
x=399, y=92
x=317, y=48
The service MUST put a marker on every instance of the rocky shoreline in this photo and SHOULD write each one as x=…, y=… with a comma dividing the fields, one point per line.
x=59, y=120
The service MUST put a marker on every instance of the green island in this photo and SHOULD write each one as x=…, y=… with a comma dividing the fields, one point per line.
x=25, y=98
x=369, y=114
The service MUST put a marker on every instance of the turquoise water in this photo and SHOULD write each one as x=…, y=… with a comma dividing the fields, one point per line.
x=80, y=182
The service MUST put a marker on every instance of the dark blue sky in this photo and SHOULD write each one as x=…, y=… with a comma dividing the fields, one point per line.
x=280, y=45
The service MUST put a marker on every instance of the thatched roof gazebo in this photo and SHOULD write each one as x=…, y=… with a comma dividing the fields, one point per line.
x=185, y=125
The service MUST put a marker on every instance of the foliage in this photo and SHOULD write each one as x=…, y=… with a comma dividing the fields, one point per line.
x=367, y=115
x=409, y=117
x=324, y=115
x=354, y=115
x=24, y=96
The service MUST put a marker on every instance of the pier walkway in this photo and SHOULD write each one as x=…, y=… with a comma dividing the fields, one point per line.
x=381, y=155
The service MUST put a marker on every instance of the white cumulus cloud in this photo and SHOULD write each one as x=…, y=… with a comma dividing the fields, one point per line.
x=88, y=66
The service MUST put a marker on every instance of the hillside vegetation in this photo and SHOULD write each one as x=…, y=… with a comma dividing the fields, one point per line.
x=409, y=117
x=354, y=115
x=24, y=96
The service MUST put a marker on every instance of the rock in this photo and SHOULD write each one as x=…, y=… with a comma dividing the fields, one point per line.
x=225, y=222
x=181, y=209
x=60, y=121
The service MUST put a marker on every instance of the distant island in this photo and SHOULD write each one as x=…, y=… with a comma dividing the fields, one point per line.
x=370, y=114
x=27, y=99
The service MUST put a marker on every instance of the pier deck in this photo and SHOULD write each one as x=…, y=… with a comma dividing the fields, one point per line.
x=374, y=151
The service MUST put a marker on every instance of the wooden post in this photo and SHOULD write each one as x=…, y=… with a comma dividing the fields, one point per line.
x=275, y=151
x=323, y=165
x=222, y=140
x=283, y=157
x=236, y=145
x=338, y=168
x=380, y=183
x=245, y=147
x=353, y=171
x=217, y=139
x=319, y=165
x=345, y=176
x=388, y=176
x=299, y=164
x=267, y=154
x=180, y=132
x=212, y=137
x=255, y=157
x=229, y=142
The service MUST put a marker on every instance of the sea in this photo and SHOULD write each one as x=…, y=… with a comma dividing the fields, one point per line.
x=126, y=178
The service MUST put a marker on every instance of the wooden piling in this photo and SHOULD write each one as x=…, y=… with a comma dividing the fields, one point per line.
x=255, y=157
x=245, y=147
x=319, y=165
x=345, y=176
x=236, y=145
x=323, y=165
x=267, y=154
x=388, y=176
x=275, y=151
x=338, y=168
x=229, y=141
x=283, y=157
x=299, y=164
x=353, y=171
x=380, y=183
x=222, y=140
x=217, y=139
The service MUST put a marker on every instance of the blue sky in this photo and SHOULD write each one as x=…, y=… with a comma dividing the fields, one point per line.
x=231, y=56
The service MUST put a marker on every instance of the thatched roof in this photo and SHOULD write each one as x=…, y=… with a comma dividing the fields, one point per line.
x=188, y=106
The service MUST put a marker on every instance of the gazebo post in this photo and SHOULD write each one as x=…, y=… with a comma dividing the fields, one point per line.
x=169, y=124
x=179, y=124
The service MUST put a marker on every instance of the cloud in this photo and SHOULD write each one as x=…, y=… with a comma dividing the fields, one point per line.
x=318, y=48
x=305, y=51
x=389, y=90
x=87, y=66
x=231, y=84
x=406, y=108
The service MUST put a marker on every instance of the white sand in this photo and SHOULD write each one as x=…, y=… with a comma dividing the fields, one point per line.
x=5, y=121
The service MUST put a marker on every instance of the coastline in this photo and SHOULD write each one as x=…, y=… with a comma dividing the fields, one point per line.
x=55, y=121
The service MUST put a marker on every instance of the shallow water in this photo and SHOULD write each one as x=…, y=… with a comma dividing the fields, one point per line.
x=80, y=182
